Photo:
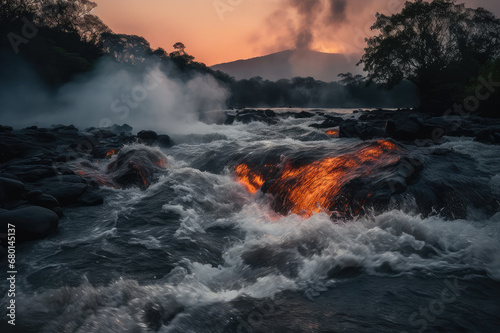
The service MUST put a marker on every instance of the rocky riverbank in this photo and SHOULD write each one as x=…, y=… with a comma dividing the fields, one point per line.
x=43, y=170
x=405, y=125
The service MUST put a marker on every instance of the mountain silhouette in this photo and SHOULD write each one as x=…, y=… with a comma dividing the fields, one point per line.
x=291, y=63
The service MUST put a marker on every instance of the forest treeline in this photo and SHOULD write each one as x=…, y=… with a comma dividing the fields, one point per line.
x=63, y=38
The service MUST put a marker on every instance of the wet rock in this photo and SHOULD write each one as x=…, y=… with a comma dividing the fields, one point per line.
x=248, y=116
x=104, y=150
x=488, y=136
x=32, y=195
x=31, y=223
x=90, y=198
x=303, y=115
x=328, y=123
x=136, y=167
x=165, y=141
x=70, y=190
x=350, y=129
x=414, y=127
x=121, y=130
x=147, y=135
x=45, y=200
x=31, y=173
x=11, y=189
x=156, y=315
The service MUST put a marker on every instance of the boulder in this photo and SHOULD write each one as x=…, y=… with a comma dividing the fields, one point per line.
x=31, y=223
x=303, y=115
x=350, y=129
x=10, y=189
x=164, y=141
x=489, y=136
x=147, y=135
x=136, y=167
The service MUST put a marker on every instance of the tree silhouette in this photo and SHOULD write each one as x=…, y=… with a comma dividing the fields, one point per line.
x=436, y=45
x=180, y=57
x=351, y=81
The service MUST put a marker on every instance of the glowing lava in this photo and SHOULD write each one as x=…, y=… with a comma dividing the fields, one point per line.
x=249, y=179
x=110, y=153
x=314, y=187
x=332, y=133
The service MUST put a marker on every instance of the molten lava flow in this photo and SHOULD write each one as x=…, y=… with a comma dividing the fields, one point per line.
x=111, y=152
x=314, y=187
x=251, y=180
x=332, y=132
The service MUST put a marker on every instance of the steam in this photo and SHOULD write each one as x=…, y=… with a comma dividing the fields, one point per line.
x=310, y=13
x=145, y=96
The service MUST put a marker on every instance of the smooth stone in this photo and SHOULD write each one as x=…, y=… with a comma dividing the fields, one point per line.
x=31, y=223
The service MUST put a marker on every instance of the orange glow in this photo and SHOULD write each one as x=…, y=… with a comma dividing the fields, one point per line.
x=249, y=179
x=332, y=132
x=312, y=188
x=110, y=153
x=162, y=163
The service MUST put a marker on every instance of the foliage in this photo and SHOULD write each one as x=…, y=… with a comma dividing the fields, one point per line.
x=436, y=45
x=488, y=73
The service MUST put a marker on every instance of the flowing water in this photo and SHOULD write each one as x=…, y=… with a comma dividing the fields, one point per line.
x=199, y=252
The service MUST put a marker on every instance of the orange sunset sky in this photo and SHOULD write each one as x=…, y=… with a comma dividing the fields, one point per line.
x=217, y=31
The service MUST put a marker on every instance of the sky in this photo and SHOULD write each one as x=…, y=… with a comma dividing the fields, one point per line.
x=217, y=31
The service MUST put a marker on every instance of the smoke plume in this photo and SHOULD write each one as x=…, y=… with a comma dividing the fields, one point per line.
x=310, y=13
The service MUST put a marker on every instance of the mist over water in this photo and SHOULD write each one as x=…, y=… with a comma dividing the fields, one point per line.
x=146, y=96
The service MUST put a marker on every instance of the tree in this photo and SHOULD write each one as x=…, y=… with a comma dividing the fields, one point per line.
x=436, y=45
x=350, y=80
x=73, y=16
x=180, y=57
x=126, y=48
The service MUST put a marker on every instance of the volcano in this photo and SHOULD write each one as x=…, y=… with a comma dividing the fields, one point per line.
x=291, y=63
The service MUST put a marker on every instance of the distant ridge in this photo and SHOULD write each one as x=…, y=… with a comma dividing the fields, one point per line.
x=290, y=63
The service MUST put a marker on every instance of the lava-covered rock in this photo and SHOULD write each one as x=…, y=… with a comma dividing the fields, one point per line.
x=136, y=167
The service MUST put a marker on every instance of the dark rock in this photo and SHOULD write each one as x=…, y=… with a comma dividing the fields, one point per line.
x=104, y=150
x=102, y=133
x=303, y=115
x=66, y=193
x=230, y=118
x=147, y=135
x=136, y=167
x=350, y=129
x=11, y=189
x=371, y=132
x=6, y=153
x=32, y=195
x=489, y=136
x=119, y=130
x=45, y=200
x=31, y=173
x=90, y=198
x=31, y=223
x=406, y=131
x=164, y=141
x=5, y=128
x=68, y=189
x=328, y=123
x=248, y=116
